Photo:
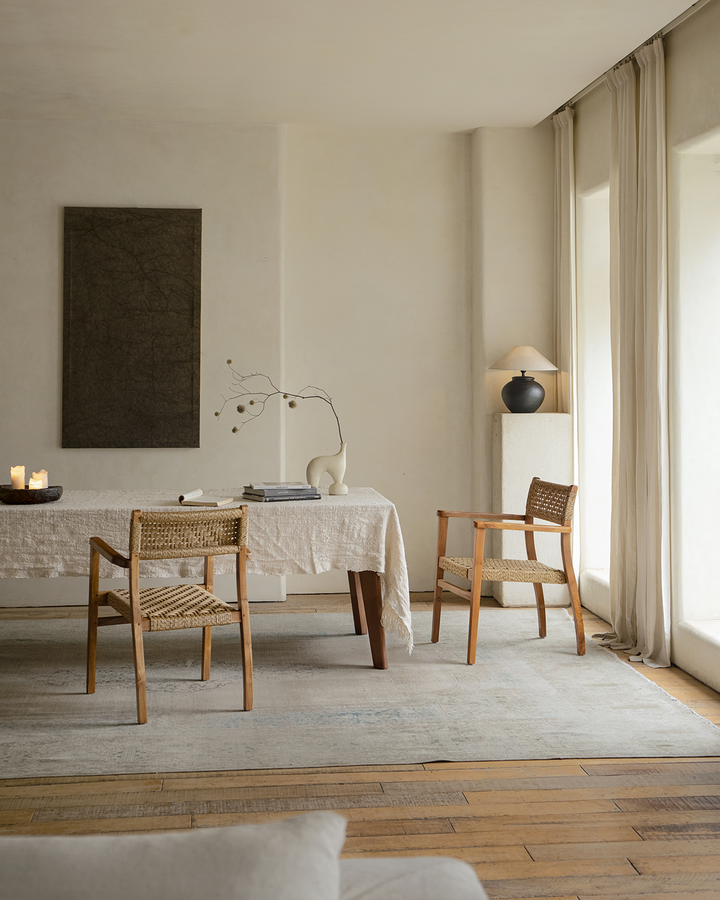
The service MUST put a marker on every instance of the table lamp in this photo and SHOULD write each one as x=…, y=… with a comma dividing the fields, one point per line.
x=523, y=394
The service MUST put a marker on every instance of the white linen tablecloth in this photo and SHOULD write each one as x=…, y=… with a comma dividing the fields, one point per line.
x=357, y=532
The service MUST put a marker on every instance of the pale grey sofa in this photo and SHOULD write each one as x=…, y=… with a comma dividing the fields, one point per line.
x=294, y=859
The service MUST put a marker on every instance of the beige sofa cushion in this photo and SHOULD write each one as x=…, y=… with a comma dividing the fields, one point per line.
x=295, y=859
x=409, y=878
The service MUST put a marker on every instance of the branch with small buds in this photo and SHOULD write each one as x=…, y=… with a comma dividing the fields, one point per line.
x=254, y=398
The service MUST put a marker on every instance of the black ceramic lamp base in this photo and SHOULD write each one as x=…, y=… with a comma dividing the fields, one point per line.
x=523, y=394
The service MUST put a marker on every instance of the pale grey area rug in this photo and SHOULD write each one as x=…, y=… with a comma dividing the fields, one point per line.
x=318, y=701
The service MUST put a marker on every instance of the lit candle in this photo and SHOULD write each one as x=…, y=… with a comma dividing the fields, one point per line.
x=17, y=477
x=35, y=483
x=41, y=476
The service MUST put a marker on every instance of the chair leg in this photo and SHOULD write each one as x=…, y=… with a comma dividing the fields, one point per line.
x=92, y=645
x=245, y=641
x=540, y=603
x=439, y=575
x=577, y=616
x=206, y=649
x=474, y=622
x=437, y=608
x=139, y=658
x=92, y=620
x=247, y=665
x=475, y=592
x=574, y=594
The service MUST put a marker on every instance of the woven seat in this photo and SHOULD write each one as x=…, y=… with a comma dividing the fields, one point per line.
x=176, y=534
x=180, y=606
x=550, y=502
x=529, y=571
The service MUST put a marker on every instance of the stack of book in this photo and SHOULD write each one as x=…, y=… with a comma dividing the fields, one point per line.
x=269, y=491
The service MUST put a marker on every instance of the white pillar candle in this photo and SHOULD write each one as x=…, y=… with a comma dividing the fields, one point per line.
x=35, y=483
x=17, y=477
x=41, y=476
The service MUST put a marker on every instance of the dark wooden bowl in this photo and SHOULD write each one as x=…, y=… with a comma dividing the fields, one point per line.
x=25, y=495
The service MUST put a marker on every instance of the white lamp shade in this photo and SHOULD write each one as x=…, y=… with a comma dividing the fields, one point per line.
x=524, y=359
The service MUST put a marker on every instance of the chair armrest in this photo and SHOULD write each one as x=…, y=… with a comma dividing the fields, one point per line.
x=512, y=526
x=107, y=551
x=446, y=513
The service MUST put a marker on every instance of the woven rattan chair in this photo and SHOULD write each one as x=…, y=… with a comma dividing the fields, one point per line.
x=550, y=502
x=176, y=534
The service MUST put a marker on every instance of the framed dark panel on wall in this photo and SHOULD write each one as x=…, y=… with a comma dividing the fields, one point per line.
x=131, y=327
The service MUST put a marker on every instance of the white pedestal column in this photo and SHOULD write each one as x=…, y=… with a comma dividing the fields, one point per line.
x=526, y=445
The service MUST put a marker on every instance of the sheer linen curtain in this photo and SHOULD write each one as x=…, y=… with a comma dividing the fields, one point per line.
x=640, y=546
x=564, y=272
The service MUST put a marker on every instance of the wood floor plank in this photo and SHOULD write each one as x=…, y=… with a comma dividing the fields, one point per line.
x=654, y=895
x=464, y=816
x=616, y=792
x=696, y=767
x=44, y=792
x=542, y=833
x=505, y=763
x=416, y=775
x=489, y=854
x=564, y=897
x=678, y=802
x=18, y=817
x=250, y=792
x=510, y=807
x=557, y=869
x=240, y=780
x=660, y=866
x=708, y=846
x=428, y=842
x=613, y=887
x=222, y=820
x=399, y=826
x=104, y=826
x=688, y=830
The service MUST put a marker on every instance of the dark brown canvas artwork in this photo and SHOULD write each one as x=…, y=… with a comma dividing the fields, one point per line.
x=131, y=327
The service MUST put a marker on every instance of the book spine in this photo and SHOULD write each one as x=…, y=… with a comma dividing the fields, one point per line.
x=285, y=495
x=279, y=499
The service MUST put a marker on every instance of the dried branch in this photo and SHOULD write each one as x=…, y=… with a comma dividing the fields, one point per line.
x=252, y=395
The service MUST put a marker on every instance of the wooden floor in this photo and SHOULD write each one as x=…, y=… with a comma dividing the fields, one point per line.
x=569, y=828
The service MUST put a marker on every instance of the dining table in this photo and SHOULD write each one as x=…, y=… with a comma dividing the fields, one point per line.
x=358, y=532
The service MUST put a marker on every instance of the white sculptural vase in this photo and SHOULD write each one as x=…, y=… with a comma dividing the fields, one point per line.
x=334, y=466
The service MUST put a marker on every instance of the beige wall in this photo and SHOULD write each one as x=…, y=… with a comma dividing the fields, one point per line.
x=377, y=313
x=512, y=239
x=232, y=174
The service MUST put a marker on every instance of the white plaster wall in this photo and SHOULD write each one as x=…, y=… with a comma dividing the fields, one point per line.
x=692, y=69
x=232, y=173
x=512, y=239
x=377, y=313
x=592, y=140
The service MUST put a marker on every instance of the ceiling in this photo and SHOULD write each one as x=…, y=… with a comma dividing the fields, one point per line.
x=448, y=65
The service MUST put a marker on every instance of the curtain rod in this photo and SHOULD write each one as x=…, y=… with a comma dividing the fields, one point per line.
x=678, y=20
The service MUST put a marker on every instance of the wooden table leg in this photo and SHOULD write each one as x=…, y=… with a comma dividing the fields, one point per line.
x=358, y=607
x=371, y=595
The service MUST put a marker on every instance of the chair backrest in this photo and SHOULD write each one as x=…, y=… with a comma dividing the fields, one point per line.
x=179, y=534
x=552, y=502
